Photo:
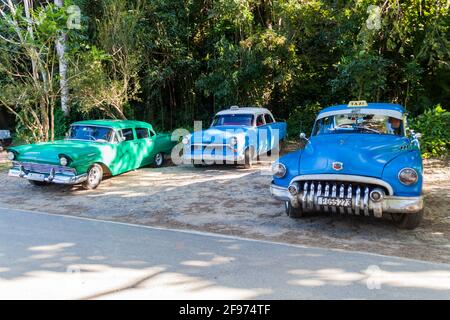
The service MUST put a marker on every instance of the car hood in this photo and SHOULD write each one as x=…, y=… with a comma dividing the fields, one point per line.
x=360, y=154
x=48, y=152
x=219, y=134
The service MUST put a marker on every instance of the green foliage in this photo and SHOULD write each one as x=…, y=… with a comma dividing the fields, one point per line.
x=174, y=62
x=434, y=126
x=302, y=119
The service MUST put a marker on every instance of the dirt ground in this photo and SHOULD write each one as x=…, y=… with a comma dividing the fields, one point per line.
x=234, y=201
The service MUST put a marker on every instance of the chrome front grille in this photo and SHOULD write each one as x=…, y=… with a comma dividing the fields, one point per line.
x=43, y=168
x=211, y=148
x=359, y=193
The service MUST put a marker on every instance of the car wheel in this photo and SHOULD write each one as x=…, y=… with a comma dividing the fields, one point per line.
x=293, y=212
x=408, y=221
x=248, y=159
x=159, y=159
x=94, y=177
x=38, y=183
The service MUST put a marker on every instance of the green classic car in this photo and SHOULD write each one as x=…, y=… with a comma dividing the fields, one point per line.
x=92, y=150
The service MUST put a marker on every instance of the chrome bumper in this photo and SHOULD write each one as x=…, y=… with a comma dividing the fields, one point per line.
x=389, y=204
x=51, y=178
x=219, y=158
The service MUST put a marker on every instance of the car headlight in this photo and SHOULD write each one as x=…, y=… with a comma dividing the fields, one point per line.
x=63, y=161
x=233, y=141
x=408, y=176
x=278, y=170
x=185, y=140
x=11, y=155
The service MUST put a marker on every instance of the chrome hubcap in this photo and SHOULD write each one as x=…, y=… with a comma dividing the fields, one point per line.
x=159, y=159
x=94, y=175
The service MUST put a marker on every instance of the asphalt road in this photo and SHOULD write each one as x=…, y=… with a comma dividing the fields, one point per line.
x=45, y=256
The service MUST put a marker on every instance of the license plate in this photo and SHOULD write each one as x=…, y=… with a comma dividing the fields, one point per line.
x=36, y=176
x=335, y=202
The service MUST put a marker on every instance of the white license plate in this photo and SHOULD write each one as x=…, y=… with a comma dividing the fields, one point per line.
x=335, y=202
x=36, y=176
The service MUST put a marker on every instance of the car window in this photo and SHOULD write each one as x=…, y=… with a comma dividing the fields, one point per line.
x=359, y=123
x=128, y=134
x=233, y=120
x=90, y=133
x=268, y=118
x=142, y=133
x=260, y=120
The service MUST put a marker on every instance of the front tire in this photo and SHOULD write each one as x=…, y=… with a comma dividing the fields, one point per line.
x=159, y=160
x=408, y=221
x=248, y=159
x=292, y=212
x=94, y=177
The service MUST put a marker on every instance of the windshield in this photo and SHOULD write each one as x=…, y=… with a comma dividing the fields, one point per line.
x=359, y=123
x=90, y=133
x=233, y=120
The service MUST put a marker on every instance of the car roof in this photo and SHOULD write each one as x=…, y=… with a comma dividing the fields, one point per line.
x=371, y=105
x=244, y=110
x=391, y=109
x=115, y=124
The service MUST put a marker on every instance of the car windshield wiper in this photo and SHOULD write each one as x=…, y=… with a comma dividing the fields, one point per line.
x=367, y=128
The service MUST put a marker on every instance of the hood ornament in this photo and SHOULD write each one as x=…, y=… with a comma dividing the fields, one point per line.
x=337, y=166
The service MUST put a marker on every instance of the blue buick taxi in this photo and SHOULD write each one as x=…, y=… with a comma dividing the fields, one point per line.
x=236, y=136
x=361, y=159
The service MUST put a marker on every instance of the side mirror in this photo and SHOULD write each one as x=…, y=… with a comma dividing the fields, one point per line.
x=303, y=136
x=414, y=135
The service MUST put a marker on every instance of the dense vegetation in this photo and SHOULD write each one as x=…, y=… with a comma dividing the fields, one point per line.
x=170, y=62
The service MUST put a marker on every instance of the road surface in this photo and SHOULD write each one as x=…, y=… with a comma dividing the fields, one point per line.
x=44, y=256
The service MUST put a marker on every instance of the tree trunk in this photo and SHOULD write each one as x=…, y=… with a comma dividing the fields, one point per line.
x=60, y=49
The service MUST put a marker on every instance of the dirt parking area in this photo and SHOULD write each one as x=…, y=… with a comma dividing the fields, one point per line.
x=234, y=201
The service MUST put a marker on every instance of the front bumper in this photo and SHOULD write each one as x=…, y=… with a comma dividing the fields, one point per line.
x=389, y=204
x=58, y=178
x=214, y=158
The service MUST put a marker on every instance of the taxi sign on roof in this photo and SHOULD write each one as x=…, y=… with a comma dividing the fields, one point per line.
x=357, y=104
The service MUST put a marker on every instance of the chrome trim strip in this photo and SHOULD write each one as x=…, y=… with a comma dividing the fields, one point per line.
x=214, y=145
x=327, y=193
x=366, y=201
x=311, y=196
x=346, y=178
x=304, y=195
x=357, y=200
x=333, y=194
x=319, y=193
x=350, y=196
x=341, y=195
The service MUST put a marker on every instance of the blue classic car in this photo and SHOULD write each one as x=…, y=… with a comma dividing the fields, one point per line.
x=236, y=136
x=360, y=159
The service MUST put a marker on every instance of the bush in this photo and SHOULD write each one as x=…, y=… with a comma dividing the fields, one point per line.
x=301, y=119
x=434, y=125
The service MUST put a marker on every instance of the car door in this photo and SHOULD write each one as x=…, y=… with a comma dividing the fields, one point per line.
x=262, y=134
x=271, y=131
x=146, y=142
x=126, y=151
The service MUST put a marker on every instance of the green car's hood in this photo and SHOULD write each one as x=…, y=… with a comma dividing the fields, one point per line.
x=49, y=152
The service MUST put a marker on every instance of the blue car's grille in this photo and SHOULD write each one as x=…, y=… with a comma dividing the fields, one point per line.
x=212, y=149
x=312, y=193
